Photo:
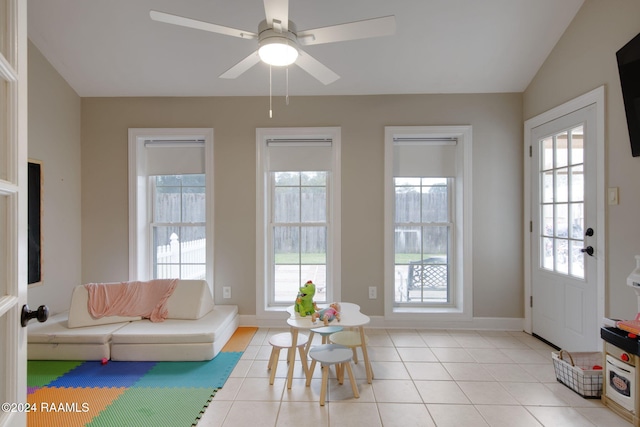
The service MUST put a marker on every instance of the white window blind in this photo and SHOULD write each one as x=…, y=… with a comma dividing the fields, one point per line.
x=424, y=157
x=174, y=157
x=299, y=155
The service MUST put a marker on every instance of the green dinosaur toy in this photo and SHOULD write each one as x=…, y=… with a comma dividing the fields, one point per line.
x=304, y=300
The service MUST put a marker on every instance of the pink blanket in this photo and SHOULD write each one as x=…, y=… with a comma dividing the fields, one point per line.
x=145, y=299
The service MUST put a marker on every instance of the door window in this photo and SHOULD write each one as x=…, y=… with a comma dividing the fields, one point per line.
x=562, y=202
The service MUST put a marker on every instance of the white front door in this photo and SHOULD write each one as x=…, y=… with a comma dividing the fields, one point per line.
x=564, y=284
x=13, y=210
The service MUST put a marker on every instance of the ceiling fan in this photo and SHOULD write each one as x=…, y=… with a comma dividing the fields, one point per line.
x=279, y=40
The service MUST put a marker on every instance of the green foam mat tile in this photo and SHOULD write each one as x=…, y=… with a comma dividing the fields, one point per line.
x=153, y=407
x=42, y=372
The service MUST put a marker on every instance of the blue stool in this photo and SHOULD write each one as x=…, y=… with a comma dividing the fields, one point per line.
x=323, y=331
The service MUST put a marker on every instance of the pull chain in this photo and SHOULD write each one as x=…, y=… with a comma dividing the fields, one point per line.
x=270, y=95
x=287, y=92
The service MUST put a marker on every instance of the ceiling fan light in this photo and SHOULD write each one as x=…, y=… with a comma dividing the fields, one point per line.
x=277, y=52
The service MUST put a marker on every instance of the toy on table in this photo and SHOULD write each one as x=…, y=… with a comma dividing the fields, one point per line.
x=304, y=301
x=327, y=314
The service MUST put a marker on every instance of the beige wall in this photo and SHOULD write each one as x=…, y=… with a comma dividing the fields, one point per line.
x=83, y=144
x=497, y=183
x=584, y=59
x=54, y=139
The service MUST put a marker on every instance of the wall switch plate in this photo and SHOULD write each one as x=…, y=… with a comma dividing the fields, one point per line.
x=373, y=292
x=226, y=292
x=612, y=195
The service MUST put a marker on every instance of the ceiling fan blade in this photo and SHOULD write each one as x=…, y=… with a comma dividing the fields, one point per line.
x=200, y=25
x=241, y=66
x=277, y=10
x=376, y=27
x=316, y=68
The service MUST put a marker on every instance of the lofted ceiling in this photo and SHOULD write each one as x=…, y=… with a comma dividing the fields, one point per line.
x=113, y=48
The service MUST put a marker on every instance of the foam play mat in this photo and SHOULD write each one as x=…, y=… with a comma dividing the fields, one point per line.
x=93, y=393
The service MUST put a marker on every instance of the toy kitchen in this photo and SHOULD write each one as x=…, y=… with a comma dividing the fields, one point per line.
x=622, y=361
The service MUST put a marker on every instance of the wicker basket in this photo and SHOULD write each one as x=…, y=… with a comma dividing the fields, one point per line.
x=578, y=373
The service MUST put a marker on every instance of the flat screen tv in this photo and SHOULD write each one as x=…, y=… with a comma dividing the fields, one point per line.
x=629, y=67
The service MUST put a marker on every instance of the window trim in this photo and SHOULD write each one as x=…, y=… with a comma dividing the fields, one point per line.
x=263, y=190
x=140, y=250
x=462, y=308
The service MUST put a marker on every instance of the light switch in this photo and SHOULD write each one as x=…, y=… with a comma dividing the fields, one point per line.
x=612, y=196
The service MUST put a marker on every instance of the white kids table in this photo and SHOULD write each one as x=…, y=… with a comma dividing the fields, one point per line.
x=350, y=317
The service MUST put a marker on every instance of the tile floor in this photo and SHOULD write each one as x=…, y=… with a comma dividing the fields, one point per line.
x=422, y=378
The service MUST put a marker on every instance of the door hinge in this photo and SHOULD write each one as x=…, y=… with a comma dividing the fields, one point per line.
x=531, y=301
x=531, y=151
x=530, y=226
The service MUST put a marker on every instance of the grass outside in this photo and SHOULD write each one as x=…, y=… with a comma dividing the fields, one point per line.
x=306, y=259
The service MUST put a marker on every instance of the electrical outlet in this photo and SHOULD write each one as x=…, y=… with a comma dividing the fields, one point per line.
x=373, y=292
x=226, y=292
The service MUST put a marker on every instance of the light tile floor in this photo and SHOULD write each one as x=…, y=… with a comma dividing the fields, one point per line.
x=422, y=378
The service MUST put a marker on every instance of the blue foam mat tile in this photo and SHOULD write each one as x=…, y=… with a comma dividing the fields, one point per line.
x=210, y=374
x=112, y=374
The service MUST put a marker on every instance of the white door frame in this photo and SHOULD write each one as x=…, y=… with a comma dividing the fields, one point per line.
x=13, y=188
x=597, y=97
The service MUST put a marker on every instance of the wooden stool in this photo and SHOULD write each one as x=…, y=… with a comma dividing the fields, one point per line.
x=283, y=340
x=327, y=355
x=349, y=339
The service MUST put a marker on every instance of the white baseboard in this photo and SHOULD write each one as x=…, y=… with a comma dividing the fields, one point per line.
x=379, y=322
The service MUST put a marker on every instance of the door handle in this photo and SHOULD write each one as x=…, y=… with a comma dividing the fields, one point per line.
x=42, y=314
x=588, y=250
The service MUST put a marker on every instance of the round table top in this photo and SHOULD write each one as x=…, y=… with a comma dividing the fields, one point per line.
x=350, y=316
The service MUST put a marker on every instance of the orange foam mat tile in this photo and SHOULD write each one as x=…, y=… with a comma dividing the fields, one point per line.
x=240, y=339
x=69, y=407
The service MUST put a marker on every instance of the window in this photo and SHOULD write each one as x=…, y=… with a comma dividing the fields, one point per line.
x=170, y=194
x=427, y=221
x=562, y=202
x=298, y=221
x=178, y=228
x=423, y=236
x=298, y=228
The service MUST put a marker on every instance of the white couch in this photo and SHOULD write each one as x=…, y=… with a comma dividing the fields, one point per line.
x=195, y=329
